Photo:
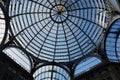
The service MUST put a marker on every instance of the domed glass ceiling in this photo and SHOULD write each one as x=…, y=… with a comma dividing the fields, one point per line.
x=57, y=30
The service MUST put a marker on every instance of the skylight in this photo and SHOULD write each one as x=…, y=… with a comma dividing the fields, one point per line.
x=86, y=65
x=51, y=72
x=113, y=42
x=57, y=30
x=19, y=57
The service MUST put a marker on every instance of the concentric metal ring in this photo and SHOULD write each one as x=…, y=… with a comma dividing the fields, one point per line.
x=58, y=14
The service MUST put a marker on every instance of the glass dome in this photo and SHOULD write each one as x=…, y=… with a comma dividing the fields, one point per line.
x=113, y=42
x=19, y=57
x=57, y=30
x=51, y=72
x=2, y=24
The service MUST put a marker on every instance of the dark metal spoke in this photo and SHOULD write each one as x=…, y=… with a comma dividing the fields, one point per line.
x=45, y=39
x=83, y=32
x=75, y=38
x=37, y=34
x=73, y=3
x=66, y=42
x=66, y=2
x=29, y=13
x=50, y=3
x=30, y=26
x=56, y=42
x=39, y=4
x=88, y=8
x=86, y=20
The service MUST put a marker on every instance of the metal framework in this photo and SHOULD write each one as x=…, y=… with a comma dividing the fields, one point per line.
x=57, y=31
x=58, y=39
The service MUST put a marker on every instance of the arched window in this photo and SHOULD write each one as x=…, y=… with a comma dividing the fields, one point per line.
x=113, y=42
x=19, y=57
x=86, y=65
x=51, y=72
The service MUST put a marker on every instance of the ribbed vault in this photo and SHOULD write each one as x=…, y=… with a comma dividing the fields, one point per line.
x=57, y=30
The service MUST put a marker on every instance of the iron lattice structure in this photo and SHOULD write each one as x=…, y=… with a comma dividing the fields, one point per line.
x=56, y=31
x=56, y=39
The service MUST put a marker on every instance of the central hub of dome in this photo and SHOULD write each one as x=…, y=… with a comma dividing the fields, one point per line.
x=58, y=14
x=60, y=10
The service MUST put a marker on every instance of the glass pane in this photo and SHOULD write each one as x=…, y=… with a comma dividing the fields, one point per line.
x=86, y=65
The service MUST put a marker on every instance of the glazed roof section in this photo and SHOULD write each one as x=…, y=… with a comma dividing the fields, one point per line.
x=113, y=42
x=57, y=30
